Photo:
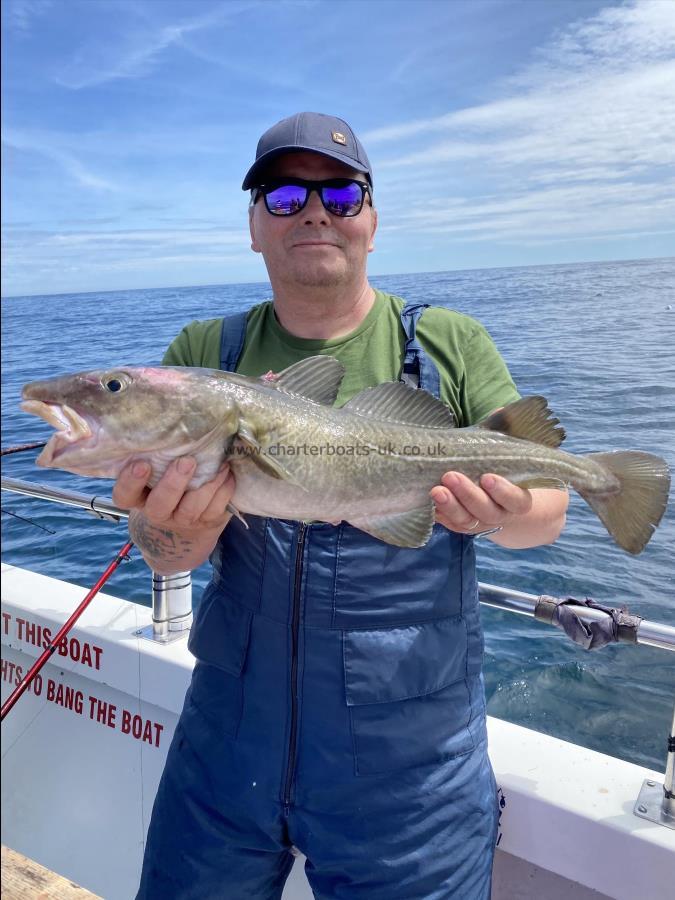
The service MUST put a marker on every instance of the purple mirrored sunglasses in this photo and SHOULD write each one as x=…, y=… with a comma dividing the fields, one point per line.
x=287, y=196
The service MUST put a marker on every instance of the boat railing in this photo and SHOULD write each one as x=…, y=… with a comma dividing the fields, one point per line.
x=171, y=594
x=172, y=618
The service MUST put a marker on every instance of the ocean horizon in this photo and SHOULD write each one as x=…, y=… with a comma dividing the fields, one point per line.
x=262, y=283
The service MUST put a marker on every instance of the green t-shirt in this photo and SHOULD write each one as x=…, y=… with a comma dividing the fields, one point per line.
x=474, y=377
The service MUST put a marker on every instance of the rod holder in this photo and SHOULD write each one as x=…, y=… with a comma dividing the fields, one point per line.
x=171, y=606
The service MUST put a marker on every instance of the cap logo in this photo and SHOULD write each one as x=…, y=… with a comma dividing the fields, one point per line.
x=339, y=138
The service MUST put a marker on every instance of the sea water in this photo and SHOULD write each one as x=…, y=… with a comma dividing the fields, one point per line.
x=598, y=340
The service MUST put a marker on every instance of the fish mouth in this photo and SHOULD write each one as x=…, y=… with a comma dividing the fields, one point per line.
x=71, y=428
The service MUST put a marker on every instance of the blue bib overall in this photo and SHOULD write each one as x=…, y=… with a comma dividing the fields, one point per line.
x=336, y=706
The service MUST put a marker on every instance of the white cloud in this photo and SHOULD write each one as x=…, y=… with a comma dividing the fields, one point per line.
x=21, y=14
x=136, y=50
x=155, y=237
x=627, y=117
x=595, y=108
x=52, y=255
x=557, y=213
x=47, y=145
x=616, y=36
x=19, y=240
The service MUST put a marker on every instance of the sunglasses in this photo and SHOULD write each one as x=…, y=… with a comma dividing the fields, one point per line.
x=287, y=196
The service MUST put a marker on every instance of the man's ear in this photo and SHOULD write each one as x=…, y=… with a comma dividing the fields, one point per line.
x=255, y=246
x=371, y=245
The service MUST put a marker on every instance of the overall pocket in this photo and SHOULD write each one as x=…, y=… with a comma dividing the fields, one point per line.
x=407, y=693
x=219, y=640
x=436, y=579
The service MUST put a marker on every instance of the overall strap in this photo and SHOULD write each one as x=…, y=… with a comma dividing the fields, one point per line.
x=419, y=370
x=232, y=340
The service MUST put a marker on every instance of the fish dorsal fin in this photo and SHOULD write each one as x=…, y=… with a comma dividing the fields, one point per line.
x=400, y=403
x=316, y=378
x=529, y=419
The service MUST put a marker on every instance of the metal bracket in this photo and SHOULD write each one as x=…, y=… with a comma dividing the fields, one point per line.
x=651, y=804
x=168, y=637
x=105, y=516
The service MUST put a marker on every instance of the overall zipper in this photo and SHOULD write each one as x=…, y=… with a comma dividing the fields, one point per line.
x=295, y=637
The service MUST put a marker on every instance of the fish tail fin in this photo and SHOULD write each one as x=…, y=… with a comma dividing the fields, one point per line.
x=631, y=513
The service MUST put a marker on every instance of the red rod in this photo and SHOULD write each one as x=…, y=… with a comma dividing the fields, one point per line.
x=39, y=663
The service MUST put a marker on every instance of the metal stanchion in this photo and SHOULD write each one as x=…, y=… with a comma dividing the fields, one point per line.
x=656, y=802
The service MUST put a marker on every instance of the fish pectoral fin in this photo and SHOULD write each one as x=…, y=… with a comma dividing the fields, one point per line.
x=231, y=508
x=411, y=528
x=400, y=403
x=316, y=378
x=529, y=419
x=249, y=446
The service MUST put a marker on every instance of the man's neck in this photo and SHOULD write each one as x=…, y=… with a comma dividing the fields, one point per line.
x=322, y=313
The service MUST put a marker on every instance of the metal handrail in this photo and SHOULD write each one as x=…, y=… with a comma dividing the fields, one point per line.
x=652, y=634
x=102, y=507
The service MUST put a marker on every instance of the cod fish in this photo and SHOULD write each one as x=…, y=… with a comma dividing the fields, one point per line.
x=371, y=462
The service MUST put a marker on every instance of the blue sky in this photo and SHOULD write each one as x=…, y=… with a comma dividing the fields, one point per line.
x=501, y=132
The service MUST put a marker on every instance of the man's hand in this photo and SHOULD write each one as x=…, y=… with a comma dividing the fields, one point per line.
x=469, y=508
x=169, y=503
x=527, y=518
x=174, y=528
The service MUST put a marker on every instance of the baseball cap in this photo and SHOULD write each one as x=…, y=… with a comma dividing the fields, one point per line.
x=311, y=131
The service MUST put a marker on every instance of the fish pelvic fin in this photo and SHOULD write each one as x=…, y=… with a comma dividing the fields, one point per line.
x=411, y=528
x=529, y=419
x=631, y=514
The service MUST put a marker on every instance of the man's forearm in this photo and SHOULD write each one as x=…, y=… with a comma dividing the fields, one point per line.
x=167, y=551
x=541, y=525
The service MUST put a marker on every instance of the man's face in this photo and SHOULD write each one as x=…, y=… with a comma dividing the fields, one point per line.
x=313, y=247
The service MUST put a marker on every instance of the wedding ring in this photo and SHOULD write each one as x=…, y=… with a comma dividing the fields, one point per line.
x=475, y=525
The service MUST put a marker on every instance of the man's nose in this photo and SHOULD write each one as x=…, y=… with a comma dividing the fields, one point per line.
x=314, y=210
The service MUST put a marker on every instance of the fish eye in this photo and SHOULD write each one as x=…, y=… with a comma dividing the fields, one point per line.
x=114, y=383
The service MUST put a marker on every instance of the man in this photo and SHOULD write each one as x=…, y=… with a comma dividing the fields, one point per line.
x=337, y=701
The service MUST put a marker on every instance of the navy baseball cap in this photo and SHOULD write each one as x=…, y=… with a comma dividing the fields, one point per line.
x=315, y=132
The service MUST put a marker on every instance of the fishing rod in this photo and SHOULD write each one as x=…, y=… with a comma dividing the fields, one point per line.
x=21, y=447
x=8, y=512
x=63, y=631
